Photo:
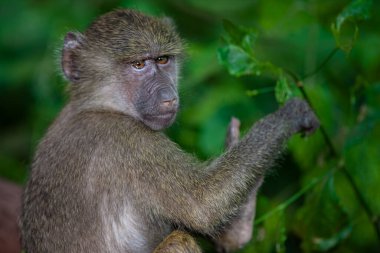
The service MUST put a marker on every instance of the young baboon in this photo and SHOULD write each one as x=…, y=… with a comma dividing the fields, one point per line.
x=105, y=179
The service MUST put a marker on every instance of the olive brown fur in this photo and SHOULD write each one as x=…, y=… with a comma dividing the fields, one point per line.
x=105, y=178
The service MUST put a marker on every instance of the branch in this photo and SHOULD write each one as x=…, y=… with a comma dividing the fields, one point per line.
x=375, y=220
x=322, y=65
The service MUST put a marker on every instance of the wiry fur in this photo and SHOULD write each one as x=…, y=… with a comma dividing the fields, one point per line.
x=103, y=180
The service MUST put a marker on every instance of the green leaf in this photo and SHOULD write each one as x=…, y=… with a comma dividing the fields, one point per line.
x=269, y=236
x=361, y=150
x=238, y=61
x=322, y=223
x=238, y=53
x=235, y=34
x=325, y=244
x=282, y=90
x=255, y=92
x=356, y=11
x=240, y=36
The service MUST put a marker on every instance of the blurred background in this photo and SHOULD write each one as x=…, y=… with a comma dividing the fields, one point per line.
x=313, y=201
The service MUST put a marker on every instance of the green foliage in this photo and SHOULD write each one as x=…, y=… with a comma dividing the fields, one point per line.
x=356, y=11
x=363, y=161
x=283, y=90
x=270, y=236
x=323, y=195
x=322, y=222
x=238, y=55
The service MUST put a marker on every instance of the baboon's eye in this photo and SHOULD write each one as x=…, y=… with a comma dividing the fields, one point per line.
x=162, y=59
x=138, y=64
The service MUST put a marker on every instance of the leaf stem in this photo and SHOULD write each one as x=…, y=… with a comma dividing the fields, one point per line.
x=322, y=65
x=375, y=220
x=290, y=200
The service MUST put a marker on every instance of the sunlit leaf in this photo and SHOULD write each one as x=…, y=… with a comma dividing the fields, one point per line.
x=282, y=90
x=238, y=53
x=238, y=61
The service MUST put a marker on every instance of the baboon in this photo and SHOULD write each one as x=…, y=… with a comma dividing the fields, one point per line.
x=105, y=178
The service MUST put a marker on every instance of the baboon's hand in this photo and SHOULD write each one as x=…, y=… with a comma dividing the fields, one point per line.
x=300, y=116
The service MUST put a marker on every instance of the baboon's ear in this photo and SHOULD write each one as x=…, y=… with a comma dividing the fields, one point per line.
x=70, y=54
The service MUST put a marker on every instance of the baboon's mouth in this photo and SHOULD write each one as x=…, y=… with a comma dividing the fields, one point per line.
x=159, y=121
